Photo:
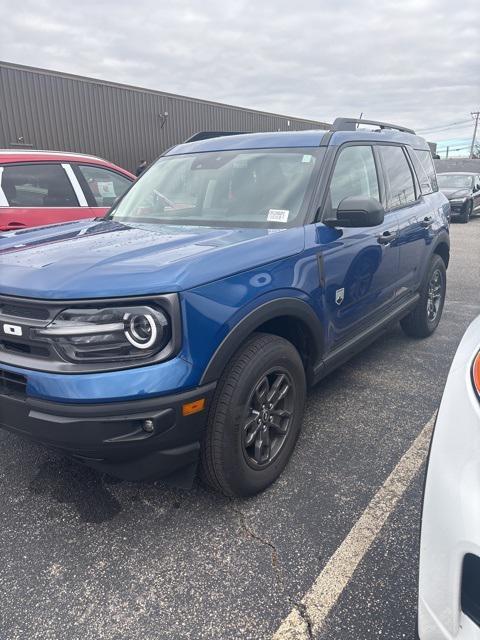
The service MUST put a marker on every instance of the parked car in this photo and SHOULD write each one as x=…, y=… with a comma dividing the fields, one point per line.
x=46, y=187
x=449, y=590
x=236, y=271
x=463, y=192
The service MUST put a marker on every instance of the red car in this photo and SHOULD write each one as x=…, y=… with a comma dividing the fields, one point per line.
x=45, y=187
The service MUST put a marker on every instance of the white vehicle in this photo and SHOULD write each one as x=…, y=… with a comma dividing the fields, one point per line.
x=449, y=586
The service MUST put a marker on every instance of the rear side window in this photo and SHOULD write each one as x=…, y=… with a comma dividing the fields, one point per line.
x=105, y=185
x=37, y=185
x=423, y=178
x=426, y=161
x=355, y=174
x=401, y=190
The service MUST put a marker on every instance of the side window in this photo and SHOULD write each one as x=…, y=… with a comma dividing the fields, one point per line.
x=423, y=179
x=477, y=183
x=37, y=185
x=355, y=174
x=399, y=176
x=426, y=160
x=105, y=185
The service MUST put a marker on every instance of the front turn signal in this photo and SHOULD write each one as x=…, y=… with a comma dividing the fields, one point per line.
x=193, y=407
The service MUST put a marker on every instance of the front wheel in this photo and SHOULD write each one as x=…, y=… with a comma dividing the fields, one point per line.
x=424, y=319
x=255, y=417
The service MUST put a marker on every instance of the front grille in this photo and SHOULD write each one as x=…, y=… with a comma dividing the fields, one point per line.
x=21, y=346
x=28, y=315
x=40, y=312
x=34, y=312
x=12, y=384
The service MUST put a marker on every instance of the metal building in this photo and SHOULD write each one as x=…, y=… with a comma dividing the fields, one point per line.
x=42, y=109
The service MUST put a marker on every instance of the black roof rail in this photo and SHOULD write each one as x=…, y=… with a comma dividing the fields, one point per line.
x=350, y=124
x=205, y=135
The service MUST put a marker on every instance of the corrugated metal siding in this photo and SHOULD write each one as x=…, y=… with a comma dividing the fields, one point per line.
x=124, y=124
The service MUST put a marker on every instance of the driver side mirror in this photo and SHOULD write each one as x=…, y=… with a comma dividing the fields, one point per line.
x=357, y=211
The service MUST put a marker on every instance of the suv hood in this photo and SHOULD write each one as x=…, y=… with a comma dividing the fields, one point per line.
x=93, y=259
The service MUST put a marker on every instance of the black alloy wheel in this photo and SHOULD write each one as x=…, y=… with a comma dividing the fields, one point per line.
x=255, y=417
x=269, y=416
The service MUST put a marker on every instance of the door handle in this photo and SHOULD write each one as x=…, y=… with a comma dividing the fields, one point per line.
x=427, y=222
x=16, y=225
x=387, y=237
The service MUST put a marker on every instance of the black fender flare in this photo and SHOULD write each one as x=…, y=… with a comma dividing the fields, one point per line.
x=291, y=307
x=442, y=238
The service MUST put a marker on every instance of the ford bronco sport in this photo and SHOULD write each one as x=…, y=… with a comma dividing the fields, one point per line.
x=186, y=325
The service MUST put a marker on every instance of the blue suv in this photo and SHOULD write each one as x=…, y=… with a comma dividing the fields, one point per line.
x=185, y=326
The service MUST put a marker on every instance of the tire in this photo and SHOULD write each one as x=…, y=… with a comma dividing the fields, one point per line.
x=419, y=323
x=465, y=217
x=229, y=463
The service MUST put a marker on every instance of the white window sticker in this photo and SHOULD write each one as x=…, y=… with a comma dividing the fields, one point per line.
x=278, y=215
x=106, y=189
x=307, y=158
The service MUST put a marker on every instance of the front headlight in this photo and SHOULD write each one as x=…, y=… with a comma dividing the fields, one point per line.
x=458, y=200
x=109, y=334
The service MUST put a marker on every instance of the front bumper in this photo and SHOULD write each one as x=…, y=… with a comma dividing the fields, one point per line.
x=111, y=436
x=458, y=209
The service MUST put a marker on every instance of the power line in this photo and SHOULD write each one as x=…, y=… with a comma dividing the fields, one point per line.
x=457, y=126
x=452, y=144
x=454, y=140
x=465, y=146
x=444, y=126
x=461, y=127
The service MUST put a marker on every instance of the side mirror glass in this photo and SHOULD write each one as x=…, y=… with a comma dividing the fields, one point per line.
x=356, y=211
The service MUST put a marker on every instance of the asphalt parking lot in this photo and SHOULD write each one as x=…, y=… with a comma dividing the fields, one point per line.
x=83, y=556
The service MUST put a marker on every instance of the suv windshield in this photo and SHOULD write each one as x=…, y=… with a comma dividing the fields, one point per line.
x=260, y=188
x=454, y=181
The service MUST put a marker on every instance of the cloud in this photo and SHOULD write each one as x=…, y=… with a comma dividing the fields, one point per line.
x=411, y=61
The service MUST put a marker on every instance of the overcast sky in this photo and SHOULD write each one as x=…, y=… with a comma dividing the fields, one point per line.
x=415, y=62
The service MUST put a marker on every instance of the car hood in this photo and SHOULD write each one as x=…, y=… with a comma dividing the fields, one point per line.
x=456, y=193
x=92, y=259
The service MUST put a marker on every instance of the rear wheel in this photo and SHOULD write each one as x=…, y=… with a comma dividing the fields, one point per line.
x=424, y=319
x=255, y=417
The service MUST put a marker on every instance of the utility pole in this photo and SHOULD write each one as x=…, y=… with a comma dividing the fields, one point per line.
x=475, y=114
x=446, y=156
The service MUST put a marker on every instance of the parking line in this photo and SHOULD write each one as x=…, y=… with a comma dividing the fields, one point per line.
x=306, y=620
